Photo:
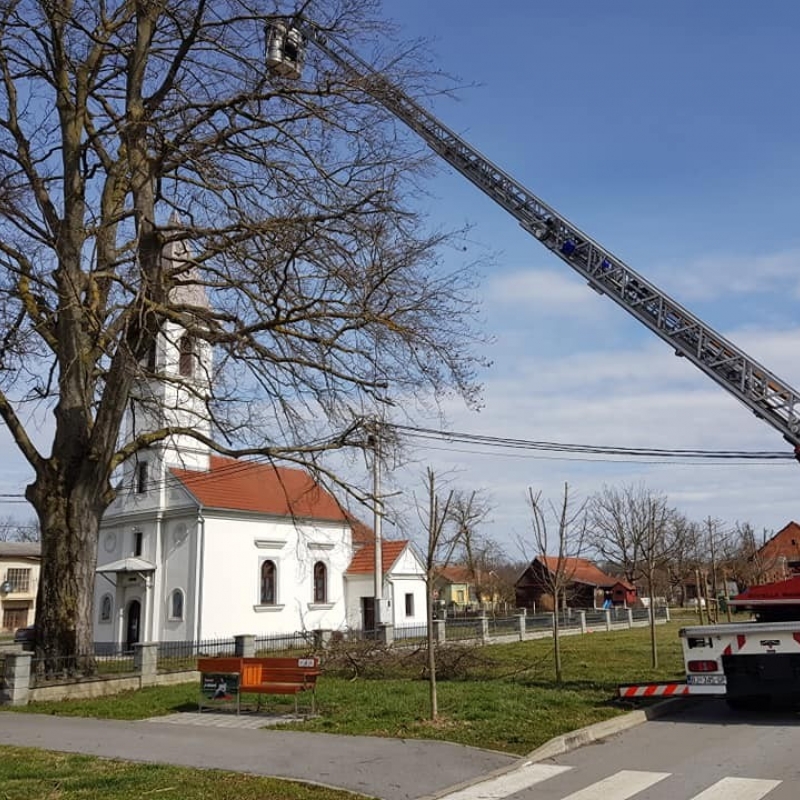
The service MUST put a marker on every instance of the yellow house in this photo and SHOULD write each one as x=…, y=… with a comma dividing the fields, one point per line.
x=454, y=586
x=19, y=580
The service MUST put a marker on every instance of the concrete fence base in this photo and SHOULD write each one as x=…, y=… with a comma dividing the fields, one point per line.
x=16, y=688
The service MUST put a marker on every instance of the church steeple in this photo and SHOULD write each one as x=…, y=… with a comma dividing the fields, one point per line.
x=176, y=389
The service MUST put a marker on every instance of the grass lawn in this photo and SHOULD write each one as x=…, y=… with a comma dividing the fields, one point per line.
x=27, y=774
x=503, y=698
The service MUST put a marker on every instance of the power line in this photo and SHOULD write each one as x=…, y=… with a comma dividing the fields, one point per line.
x=516, y=448
x=482, y=440
x=600, y=459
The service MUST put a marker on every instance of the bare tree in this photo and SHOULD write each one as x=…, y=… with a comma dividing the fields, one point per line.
x=506, y=574
x=479, y=552
x=633, y=528
x=12, y=530
x=439, y=548
x=753, y=563
x=126, y=127
x=686, y=556
x=559, y=534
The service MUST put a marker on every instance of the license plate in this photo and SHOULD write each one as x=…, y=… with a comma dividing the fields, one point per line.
x=705, y=680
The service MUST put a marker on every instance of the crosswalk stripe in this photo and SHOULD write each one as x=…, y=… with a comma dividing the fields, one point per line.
x=619, y=786
x=508, y=783
x=737, y=789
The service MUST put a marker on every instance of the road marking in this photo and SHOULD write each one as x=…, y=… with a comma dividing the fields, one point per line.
x=737, y=789
x=620, y=786
x=508, y=783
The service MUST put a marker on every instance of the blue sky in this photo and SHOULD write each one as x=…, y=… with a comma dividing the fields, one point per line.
x=668, y=132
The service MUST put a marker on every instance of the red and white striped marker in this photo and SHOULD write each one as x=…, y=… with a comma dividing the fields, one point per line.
x=653, y=690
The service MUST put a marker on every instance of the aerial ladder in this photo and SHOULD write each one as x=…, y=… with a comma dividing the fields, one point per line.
x=769, y=397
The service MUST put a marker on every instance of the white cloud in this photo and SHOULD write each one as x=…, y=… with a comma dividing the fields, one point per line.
x=711, y=276
x=545, y=291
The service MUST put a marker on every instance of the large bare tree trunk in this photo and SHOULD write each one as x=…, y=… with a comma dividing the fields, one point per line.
x=69, y=531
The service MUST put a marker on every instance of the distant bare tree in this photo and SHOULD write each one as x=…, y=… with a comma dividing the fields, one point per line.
x=558, y=535
x=440, y=544
x=687, y=556
x=752, y=566
x=633, y=528
x=12, y=530
x=479, y=552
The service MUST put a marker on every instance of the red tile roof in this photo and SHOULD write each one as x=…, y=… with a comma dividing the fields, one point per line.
x=363, y=562
x=579, y=570
x=456, y=573
x=362, y=533
x=261, y=488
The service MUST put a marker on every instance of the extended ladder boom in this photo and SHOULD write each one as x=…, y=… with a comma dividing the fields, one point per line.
x=768, y=396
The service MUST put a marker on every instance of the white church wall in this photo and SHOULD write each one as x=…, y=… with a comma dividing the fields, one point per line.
x=234, y=551
x=178, y=574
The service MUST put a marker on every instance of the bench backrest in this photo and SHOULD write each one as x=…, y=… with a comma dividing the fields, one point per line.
x=255, y=671
x=223, y=665
x=283, y=670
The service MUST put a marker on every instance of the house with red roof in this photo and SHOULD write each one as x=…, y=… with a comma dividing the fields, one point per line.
x=198, y=546
x=779, y=557
x=454, y=585
x=403, y=590
x=586, y=586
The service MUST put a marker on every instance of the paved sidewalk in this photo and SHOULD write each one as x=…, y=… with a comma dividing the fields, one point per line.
x=391, y=769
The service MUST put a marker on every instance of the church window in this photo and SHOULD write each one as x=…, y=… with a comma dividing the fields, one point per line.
x=152, y=357
x=186, y=359
x=320, y=583
x=141, y=477
x=106, y=606
x=269, y=575
x=176, y=605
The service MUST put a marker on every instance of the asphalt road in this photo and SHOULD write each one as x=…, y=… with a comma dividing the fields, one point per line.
x=702, y=752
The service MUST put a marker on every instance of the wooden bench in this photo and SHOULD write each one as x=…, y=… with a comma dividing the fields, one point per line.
x=279, y=675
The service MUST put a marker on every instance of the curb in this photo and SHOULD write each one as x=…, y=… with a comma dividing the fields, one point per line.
x=602, y=730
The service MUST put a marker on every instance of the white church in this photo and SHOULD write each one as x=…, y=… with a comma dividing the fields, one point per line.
x=198, y=546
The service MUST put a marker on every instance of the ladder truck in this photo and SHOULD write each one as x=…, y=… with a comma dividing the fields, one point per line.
x=734, y=660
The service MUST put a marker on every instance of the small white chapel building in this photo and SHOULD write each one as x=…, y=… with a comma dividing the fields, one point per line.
x=197, y=546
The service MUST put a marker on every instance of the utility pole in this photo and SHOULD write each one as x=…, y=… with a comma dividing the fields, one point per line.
x=374, y=440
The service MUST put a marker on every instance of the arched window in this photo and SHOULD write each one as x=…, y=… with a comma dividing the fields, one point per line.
x=176, y=605
x=320, y=583
x=106, y=607
x=186, y=357
x=152, y=357
x=269, y=576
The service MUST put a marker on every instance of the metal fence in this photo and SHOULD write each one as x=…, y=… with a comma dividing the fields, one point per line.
x=182, y=655
x=108, y=662
x=299, y=641
x=410, y=633
x=503, y=626
x=456, y=629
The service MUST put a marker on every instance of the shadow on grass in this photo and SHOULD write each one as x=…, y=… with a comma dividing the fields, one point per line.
x=184, y=707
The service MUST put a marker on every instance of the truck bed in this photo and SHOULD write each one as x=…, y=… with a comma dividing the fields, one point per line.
x=750, y=627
